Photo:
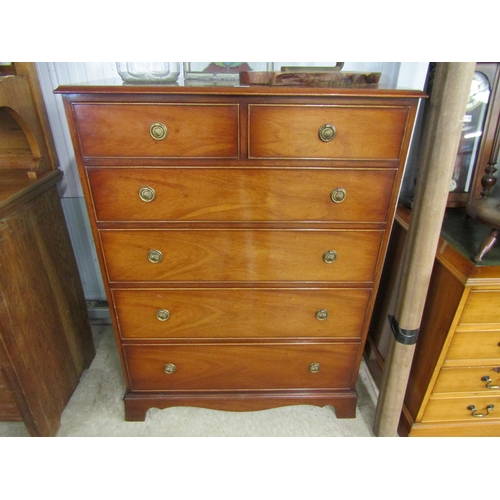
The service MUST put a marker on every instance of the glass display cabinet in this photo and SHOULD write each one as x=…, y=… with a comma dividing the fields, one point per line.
x=478, y=133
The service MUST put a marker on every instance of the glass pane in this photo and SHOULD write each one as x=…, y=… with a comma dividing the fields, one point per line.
x=472, y=132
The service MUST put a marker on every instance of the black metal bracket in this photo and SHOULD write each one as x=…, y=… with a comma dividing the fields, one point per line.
x=406, y=337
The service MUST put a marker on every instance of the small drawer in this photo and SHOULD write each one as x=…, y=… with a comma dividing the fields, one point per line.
x=137, y=130
x=472, y=408
x=327, y=132
x=237, y=313
x=476, y=379
x=216, y=194
x=241, y=255
x=474, y=345
x=240, y=366
x=483, y=308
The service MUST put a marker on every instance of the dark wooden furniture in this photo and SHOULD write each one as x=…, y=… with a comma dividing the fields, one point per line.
x=241, y=232
x=45, y=336
x=486, y=211
x=483, y=205
x=455, y=375
x=25, y=138
x=478, y=135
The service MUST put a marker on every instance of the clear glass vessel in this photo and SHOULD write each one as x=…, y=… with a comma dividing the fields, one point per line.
x=148, y=72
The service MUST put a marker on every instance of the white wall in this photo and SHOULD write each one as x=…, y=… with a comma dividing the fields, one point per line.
x=410, y=75
x=51, y=75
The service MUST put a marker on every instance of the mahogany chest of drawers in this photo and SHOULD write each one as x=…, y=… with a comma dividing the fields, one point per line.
x=241, y=233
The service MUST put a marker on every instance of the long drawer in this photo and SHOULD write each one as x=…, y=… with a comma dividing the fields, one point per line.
x=474, y=345
x=222, y=194
x=483, y=308
x=357, y=132
x=237, y=313
x=463, y=409
x=127, y=130
x=240, y=366
x=240, y=254
x=468, y=379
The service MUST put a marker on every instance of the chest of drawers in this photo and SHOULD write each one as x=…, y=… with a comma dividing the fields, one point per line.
x=241, y=233
x=462, y=397
x=454, y=383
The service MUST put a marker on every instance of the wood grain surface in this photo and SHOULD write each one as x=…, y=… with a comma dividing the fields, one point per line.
x=292, y=132
x=240, y=313
x=248, y=366
x=222, y=194
x=194, y=131
x=241, y=255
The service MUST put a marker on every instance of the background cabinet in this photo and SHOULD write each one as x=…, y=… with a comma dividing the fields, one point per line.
x=45, y=336
x=455, y=375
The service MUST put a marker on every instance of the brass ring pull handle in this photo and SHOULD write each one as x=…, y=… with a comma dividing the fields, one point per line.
x=147, y=194
x=162, y=314
x=169, y=368
x=488, y=383
x=327, y=132
x=155, y=256
x=314, y=367
x=338, y=195
x=158, y=131
x=329, y=256
x=474, y=413
x=321, y=314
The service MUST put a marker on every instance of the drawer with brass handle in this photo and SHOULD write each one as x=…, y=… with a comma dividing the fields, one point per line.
x=241, y=255
x=240, y=366
x=467, y=408
x=327, y=132
x=237, y=313
x=227, y=194
x=158, y=130
x=468, y=379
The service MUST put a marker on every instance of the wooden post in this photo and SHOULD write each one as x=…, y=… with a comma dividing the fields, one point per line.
x=437, y=154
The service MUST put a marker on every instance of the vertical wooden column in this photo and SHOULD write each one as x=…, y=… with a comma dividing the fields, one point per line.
x=438, y=150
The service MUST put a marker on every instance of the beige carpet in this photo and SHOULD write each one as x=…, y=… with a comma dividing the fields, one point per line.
x=96, y=409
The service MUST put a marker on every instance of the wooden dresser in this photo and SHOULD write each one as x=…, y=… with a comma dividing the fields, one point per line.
x=241, y=233
x=454, y=384
x=45, y=336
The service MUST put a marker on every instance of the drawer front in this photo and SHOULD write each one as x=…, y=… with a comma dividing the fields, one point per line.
x=446, y=410
x=483, y=307
x=192, y=131
x=477, y=379
x=246, y=255
x=474, y=345
x=237, y=313
x=237, y=366
x=361, y=132
x=215, y=194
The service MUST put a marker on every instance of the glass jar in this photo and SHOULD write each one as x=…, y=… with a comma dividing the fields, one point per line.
x=148, y=72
